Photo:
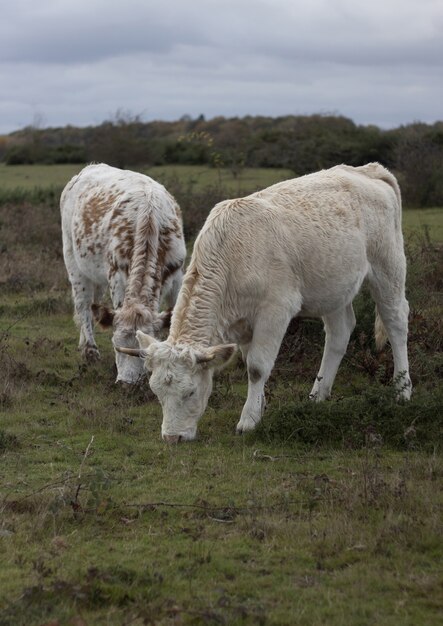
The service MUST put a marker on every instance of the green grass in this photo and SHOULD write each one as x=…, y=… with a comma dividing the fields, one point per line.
x=247, y=530
x=426, y=221
x=35, y=182
x=225, y=530
x=202, y=176
x=327, y=514
x=28, y=177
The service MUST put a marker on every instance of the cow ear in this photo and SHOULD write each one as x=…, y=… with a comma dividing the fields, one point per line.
x=217, y=356
x=144, y=340
x=103, y=315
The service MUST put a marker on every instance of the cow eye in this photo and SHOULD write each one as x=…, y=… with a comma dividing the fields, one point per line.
x=190, y=394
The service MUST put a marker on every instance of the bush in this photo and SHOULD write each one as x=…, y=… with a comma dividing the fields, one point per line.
x=66, y=154
x=419, y=163
x=20, y=155
x=371, y=416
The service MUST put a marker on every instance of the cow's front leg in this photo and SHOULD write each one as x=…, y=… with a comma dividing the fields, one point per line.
x=269, y=330
x=255, y=403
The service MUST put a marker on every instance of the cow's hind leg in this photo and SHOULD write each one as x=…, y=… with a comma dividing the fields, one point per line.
x=269, y=330
x=338, y=328
x=393, y=308
x=83, y=296
x=83, y=315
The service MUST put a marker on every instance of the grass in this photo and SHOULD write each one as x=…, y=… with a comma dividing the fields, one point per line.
x=428, y=221
x=29, y=177
x=226, y=530
x=327, y=514
x=203, y=176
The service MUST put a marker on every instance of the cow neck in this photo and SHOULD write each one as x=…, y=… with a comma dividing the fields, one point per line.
x=197, y=315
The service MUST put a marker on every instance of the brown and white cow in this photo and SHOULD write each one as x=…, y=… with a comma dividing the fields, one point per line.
x=121, y=230
x=301, y=247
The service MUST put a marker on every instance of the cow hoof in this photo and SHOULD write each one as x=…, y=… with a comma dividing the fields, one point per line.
x=91, y=354
x=172, y=439
x=245, y=426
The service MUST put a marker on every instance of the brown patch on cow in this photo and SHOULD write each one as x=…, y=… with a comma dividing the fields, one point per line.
x=254, y=374
x=95, y=209
x=117, y=213
x=241, y=331
x=123, y=232
x=175, y=228
x=125, y=248
x=103, y=315
x=121, y=228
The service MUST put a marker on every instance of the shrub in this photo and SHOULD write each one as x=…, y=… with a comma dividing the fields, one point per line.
x=372, y=415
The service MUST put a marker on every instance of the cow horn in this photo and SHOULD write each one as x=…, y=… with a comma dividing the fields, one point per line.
x=132, y=351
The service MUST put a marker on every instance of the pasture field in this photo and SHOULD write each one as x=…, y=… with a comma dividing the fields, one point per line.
x=30, y=176
x=40, y=182
x=327, y=515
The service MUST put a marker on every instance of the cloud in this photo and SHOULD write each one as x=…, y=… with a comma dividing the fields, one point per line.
x=78, y=62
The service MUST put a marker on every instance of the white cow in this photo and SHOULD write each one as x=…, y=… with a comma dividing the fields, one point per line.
x=301, y=247
x=123, y=230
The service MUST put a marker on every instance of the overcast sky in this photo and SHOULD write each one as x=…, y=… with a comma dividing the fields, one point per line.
x=77, y=62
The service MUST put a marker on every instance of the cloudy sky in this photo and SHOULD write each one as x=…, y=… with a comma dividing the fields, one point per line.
x=79, y=61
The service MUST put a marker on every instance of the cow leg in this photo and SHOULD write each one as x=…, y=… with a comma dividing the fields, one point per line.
x=82, y=295
x=99, y=293
x=260, y=354
x=393, y=309
x=338, y=328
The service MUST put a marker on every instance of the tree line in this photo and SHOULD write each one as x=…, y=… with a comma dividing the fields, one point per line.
x=302, y=144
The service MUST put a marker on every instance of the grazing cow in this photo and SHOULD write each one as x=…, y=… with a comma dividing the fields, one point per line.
x=301, y=247
x=121, y=230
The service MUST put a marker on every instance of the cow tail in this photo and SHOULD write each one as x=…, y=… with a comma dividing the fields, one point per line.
x=145, y=252
x=381, y=336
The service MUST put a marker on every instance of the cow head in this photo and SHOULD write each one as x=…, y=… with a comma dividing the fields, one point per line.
x=181, y=378
x=126, y=321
